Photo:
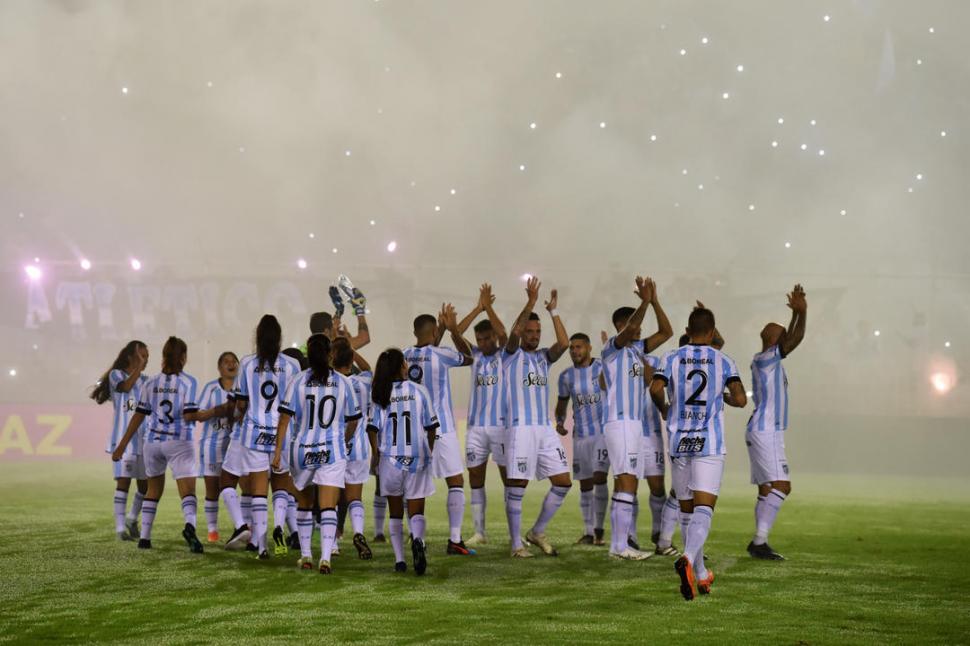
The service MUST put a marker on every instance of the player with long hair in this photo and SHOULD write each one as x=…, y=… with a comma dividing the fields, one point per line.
x=216, y=414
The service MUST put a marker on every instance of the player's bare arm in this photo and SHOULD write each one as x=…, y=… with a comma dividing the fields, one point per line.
x=562, y=337
x=532, y=293
x=487, y=301
x=664, y=329
x=644, y=290
x=735, y=396
x=450, y=320
x=796, y=328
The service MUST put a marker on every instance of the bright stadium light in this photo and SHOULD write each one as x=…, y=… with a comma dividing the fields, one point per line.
x=301, y=263
x=136, y=264
x=85, y=264
x=942, y=382
x=33, y=272
x=392, y=246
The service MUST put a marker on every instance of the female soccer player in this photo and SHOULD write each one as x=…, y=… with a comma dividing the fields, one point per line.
x=403, y=456
x=169, y=401
x=216, y=414
x=122, y=384
x=325, y=412
x=263, y=377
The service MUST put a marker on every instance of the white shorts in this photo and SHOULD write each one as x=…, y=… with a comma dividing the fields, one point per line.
x=446, y=457
x=178, y=455
x=590, y=456
x=766, y=450
x=326, y=475
x=654, y=458
x=130, y=467
x=697, y=474
x=358, y=471
x=623, y=439
x=535, y=453
x=401, y=482
x=482, y=441
x=240, y=461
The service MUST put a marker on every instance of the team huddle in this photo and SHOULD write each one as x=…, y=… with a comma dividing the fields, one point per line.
x=314, y=425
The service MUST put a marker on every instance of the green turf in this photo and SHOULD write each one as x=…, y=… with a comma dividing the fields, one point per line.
x=885, y=570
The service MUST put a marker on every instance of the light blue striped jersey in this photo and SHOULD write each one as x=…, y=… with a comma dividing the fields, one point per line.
x=485, y=406
x=623, y=373
x=402, y=427
x=696, y=376
x=653, y=423
x=261, y=386
x=164, y=399
x=526, y=387
x=582, y=386
x=769, y=385
x=320, y=411
x=124, y=407
x=360, y=448
x=215, y=431
x=428, y=365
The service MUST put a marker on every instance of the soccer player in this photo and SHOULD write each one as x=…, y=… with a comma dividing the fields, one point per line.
x=664, y=508
x=486, y=416
x=263, y=377
x=765, y=434
x=695, y=377
x=215, y=436
x=534, y=451
x=122, y=384
x=402, y=453
x=169, y=401
x=428, y=365
x=358, y=454
x=325, y=414
x=591, y=463
x=624, y=358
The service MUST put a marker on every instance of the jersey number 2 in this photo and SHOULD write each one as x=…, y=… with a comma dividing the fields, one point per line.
x=693, y=399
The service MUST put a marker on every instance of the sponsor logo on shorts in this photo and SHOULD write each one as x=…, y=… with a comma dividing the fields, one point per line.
x=316, y=458
x=691, y=444
x=266, y=439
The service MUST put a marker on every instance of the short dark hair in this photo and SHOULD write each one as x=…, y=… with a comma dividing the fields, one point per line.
x=533, y=316
x=684, y=340
x=483, y=326
x=320, y=323
x=701, y=321
x=343, y=353
x=622, y=314
x=580, y=336
x=296, y=353
x=424, y=320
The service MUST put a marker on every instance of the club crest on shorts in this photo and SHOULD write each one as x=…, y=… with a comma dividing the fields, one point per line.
x=633, y=460
x=523, y=466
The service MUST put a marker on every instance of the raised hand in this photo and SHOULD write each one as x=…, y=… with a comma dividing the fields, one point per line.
x=553, y=300
x=485, y=296
x=796, y=299
x=448, y=317
x=604, y=337
x=338, y=302
x=644, y=289
x=532, y=289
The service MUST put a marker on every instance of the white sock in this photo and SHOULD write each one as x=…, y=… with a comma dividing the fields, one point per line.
x=211, y=509
x=456, y=512
x=513, y=512
x=260, y=522
x=304, y=529
x=634, y=519
x=656, y=512
x=478, y=509
x=765, y=512
x=328, y=532
x=148, y=509
x=416, y=523
x=246, y=505
x=396, y=527
x=190, y=509
x=684, y=524
x=586, y=510
x=231, y=500
x=291, y=513
x=601, y=500
x=621, y=517
x=121, y=502
x=380, y=511
x=550, y=505
x=356, y=512
x=136, y=501
x=281, y=500
x=668, y=522
x=697, y=531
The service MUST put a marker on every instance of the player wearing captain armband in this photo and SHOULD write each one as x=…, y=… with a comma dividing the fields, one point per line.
x=263, y=378
x=695, y=377
x=402, y=430
x=325, y=414
x=169, y=403
x=765, y=434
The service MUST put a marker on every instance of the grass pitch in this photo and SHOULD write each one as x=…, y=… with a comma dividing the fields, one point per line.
x=889, y=568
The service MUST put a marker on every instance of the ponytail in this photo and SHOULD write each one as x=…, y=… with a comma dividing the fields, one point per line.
x=269, y=339
x=102, y=391
x=387, y=371
x=173, y=355
x=318, y=356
